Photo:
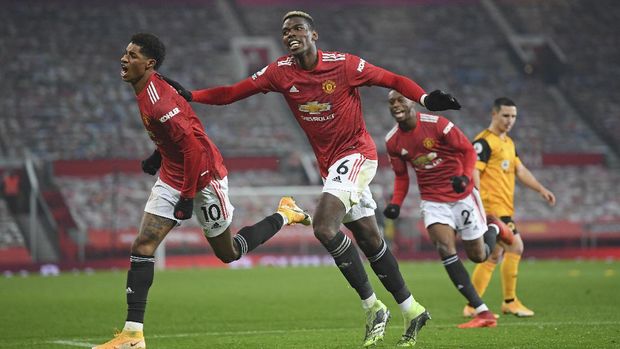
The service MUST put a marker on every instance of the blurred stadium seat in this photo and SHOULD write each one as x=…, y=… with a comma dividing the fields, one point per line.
x=62, y=98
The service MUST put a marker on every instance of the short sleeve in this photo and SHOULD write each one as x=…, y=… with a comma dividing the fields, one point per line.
x=483, y=152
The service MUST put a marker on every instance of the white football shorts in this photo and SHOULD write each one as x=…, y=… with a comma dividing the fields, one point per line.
x=348, y=179
x=466, y=216
x=212, y=206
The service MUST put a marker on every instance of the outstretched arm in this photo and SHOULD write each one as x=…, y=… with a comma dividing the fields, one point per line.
x=360, y=72
x=226, y=94
x=402, y=84
x=435, y=101
x=216, y=95
x=526, y=177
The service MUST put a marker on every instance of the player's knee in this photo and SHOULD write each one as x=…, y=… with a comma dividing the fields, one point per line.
x=477, y=256
x=370, y=245
x=516, y=247
x=324, y=233
x=143, y=246
x=493, y=258
x=516, y=250
x=444, y=250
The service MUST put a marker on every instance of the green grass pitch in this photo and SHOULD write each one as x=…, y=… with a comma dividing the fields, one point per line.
x=577, y=305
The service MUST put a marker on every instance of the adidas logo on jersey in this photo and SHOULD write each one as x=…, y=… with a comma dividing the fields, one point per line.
x=404, y=152
x=216, y=225
x=337, y=179
x=293, y=89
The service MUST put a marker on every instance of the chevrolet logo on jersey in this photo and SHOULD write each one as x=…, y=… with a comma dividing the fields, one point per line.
x=426, y=161
x=314, y=107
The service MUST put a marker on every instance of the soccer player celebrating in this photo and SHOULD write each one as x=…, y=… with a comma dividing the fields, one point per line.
x=443, y=160
x=192, y=179
x=498, y=164
x=321, y=90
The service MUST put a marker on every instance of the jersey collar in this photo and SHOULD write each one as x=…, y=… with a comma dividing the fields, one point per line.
x=142, y=93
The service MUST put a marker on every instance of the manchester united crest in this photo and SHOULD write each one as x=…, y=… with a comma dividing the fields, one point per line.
x=329, y=86
x=428, y=143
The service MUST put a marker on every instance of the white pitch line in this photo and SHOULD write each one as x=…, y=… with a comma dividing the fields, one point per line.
x=74, y=344
x=525, y=323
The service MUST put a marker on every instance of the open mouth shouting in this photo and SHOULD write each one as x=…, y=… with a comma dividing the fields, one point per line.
x=124, y=71
x=294, y=44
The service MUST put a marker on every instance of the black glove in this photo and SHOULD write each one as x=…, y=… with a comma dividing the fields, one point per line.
x=391, y=211
x=151, y=164
x=459, y=183
x=187, y=94
x=184, y=208
x=439, y=100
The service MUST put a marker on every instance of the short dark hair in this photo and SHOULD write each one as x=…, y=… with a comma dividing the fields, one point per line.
x=151, y=47
x=301, y=14
x=503, y=101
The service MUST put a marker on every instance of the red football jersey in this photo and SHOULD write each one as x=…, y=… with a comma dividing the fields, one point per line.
x=179, y=136
x=325, y=102
x=437, y=150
